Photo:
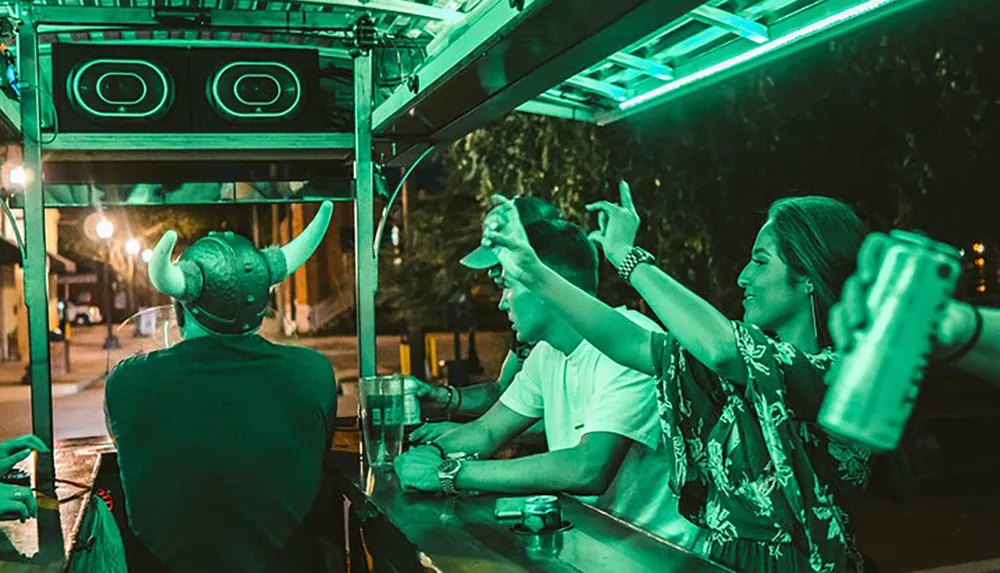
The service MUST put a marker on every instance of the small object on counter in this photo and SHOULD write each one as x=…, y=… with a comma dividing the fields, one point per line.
x=541, y=513
x=509, y=508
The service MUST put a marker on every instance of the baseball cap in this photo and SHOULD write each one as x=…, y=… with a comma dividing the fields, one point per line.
x=531, y=210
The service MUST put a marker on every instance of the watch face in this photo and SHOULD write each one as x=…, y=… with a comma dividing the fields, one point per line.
x=448, y=467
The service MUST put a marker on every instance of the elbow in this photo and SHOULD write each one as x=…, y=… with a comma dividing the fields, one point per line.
x=591, y=479
x=719, y=349
x=724, y=360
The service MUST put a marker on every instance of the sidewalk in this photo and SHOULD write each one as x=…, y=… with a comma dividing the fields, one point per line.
x=89, y=361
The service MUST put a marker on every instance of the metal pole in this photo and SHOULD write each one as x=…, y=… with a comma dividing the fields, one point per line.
x=293, y=287
x=35, y=284
x=110, y=341
x=364, y=215
x=256, y=227
x=65, y=328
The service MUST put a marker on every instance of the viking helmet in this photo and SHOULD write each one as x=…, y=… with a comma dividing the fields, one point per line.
x=223, y=280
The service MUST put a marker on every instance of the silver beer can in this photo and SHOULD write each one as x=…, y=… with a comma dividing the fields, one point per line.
x=874, y=386
x=411, y=404
x=541, y=513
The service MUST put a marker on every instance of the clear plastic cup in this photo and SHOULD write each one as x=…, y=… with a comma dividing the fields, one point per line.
x=382, y=418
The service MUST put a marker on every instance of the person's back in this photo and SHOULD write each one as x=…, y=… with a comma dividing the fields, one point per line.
x=221, y=442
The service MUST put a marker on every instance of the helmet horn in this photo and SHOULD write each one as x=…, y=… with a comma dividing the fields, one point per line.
x=299, y=249
x=163, y=273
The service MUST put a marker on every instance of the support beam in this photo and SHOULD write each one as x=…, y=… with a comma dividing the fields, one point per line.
x=684, y=49
x=274, y=20
x=364, y=215
x=36, y=288
x=324, y=52
x=461, y=46
x=646, y=66
x=391, y=7
x=743, y=27
x=610, y=91
x=123, y=143
x=503, y=59
x=557, y=110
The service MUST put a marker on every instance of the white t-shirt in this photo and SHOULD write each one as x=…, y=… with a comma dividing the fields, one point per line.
x=588, y=392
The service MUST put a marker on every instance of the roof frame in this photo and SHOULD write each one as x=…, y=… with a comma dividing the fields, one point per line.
x=739, y=25
x=391, y=7
x=705, y=45
x=257, y=19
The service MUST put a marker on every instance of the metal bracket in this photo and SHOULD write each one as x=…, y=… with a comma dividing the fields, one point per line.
x=517, y=5
x=182, y=17
x=413, y=83
x=365, y=36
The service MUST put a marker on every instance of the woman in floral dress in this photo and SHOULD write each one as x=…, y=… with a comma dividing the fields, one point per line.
x=738, y=399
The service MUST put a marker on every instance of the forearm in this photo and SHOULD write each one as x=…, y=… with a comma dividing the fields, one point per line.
x=478, y=399
x=983, y=359
x=472, y=401
x=472, y=438
x=557, y=471
x=699, y=327
x=606, y=329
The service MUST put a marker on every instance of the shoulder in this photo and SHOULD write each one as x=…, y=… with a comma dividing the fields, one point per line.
x=304, y=357
x=541, y=356
x=756, y=346
x=134, y=367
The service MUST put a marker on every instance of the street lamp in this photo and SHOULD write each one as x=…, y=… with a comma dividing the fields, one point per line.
x=17, y=176
x=132, y=247
x=147, y=255
x=105, y=230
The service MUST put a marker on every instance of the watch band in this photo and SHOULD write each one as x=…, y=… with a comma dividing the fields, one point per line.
x=447, y=472
x=636, y=256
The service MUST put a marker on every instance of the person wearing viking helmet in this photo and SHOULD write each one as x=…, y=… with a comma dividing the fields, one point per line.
x=221, y=437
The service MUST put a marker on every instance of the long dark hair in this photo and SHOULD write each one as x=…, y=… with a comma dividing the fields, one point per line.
x=818, y=238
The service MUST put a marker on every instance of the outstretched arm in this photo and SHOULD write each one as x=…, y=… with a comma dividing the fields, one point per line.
x=474, y=400
x=982, y=359
x=607, y=330
x=955, y=332
x=701, y=329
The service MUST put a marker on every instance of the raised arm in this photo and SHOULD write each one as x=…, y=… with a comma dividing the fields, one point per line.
x=698, y=326
x=607, y=330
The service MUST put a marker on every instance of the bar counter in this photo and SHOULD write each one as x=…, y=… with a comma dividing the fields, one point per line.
x=76, y=462
x=417, y=532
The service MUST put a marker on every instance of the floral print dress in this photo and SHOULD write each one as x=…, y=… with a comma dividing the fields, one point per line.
x=750, y=463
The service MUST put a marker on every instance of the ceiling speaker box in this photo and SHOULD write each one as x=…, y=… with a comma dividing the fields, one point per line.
x=147, y=89
x=134, y=89
x=267, y=90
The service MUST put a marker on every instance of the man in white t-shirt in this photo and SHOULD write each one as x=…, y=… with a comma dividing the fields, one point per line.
x=600, y=418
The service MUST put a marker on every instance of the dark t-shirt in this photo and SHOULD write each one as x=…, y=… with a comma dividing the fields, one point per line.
x=220, y=444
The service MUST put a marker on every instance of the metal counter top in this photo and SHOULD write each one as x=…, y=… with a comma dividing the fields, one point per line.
x=461, y=534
